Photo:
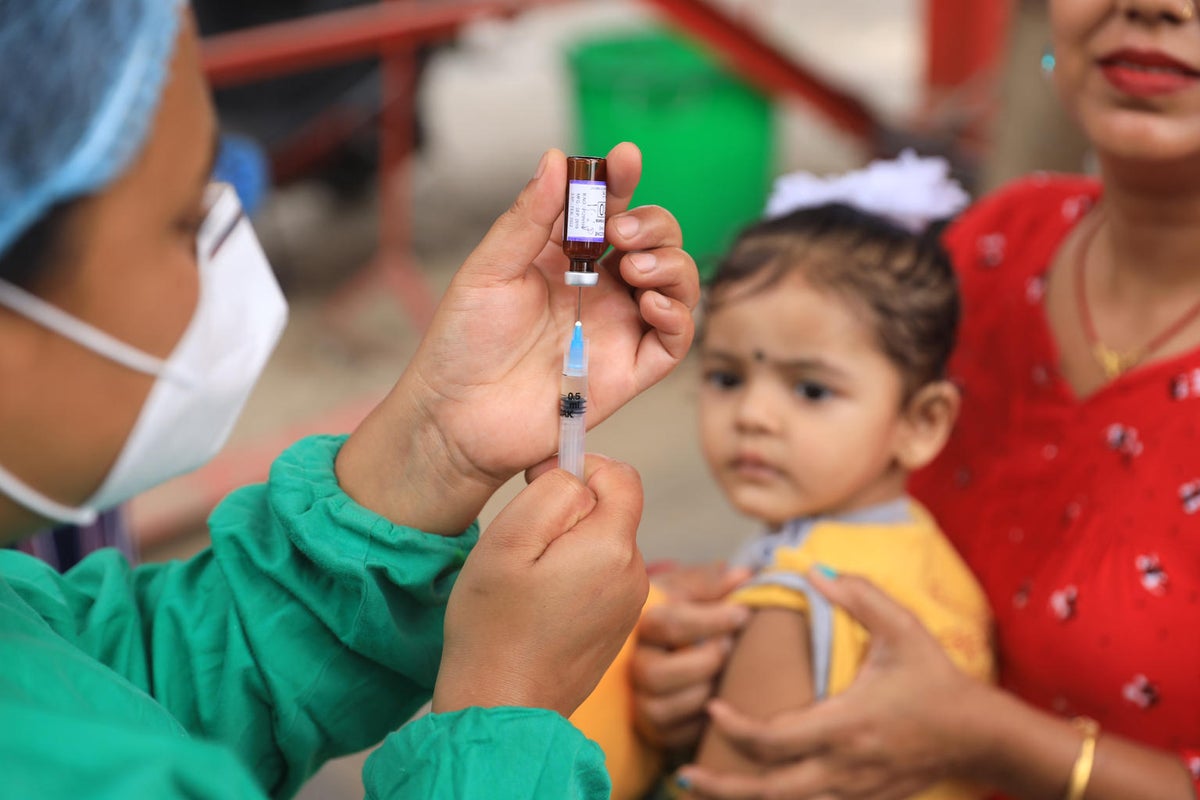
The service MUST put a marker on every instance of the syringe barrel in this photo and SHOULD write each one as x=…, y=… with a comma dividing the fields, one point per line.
x=572, y=409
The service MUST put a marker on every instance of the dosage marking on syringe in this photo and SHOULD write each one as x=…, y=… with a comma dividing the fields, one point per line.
x=571, y=405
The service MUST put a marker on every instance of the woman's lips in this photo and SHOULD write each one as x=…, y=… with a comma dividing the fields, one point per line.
x=1147, y=73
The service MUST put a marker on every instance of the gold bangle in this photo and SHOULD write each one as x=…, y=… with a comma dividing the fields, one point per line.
x=1081, y=773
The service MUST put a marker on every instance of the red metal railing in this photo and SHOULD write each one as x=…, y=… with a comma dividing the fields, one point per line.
x=337, y=36
x=745, y=52
x=390, y=31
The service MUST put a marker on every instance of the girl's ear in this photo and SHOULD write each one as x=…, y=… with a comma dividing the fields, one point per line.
x=925, y=424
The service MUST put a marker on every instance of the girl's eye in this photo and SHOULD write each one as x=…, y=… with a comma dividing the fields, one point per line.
x=810, y=390
x=722, y=379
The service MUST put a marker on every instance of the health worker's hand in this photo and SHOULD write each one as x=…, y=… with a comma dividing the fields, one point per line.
x=682, y=647
x=479, y=401
x=549, y=595
x=905, y=723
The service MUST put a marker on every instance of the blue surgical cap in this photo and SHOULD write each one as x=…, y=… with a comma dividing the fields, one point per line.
x=81, y=83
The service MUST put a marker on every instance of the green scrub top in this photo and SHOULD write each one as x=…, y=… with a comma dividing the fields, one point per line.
x=311, y=628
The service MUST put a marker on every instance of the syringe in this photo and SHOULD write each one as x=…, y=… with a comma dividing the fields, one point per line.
x=572, y=404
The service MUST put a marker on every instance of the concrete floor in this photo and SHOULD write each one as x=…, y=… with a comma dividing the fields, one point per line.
x=479, y=153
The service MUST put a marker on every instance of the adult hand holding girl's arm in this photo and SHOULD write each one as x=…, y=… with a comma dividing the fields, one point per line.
x=477, y=403
x=911, y=719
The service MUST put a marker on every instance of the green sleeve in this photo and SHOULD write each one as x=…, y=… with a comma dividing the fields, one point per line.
x=497, y=753
x=311, y=627
x=51, y=754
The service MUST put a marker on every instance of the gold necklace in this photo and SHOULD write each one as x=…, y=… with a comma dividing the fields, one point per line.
x=1117, y=362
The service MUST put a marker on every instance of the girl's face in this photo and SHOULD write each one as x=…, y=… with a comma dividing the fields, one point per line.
x=800, y=412
x=1129, y=71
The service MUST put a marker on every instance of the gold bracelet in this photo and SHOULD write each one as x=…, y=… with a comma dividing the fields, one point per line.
x=1081, y=773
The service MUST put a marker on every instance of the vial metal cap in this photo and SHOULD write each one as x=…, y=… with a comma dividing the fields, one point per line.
x=582, y=278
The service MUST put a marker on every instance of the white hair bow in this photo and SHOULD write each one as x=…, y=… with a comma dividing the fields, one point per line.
x=909, y=190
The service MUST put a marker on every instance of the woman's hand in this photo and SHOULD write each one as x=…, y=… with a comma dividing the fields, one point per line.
x=682, y=648
x=909, y=719
x=548, y=596
x=478, y=403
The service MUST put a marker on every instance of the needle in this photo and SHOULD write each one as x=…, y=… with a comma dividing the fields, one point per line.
x=579, y=306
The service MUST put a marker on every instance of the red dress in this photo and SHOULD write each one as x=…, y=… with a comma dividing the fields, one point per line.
x=1081, y=518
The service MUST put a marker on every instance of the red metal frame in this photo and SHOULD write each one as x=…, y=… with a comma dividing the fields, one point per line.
x=334, y=37
x=389, y=30
x=965, y=42
x=965, y=38
x=760, y=63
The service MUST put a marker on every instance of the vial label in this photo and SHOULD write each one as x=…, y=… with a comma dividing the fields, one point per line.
x=585, y=211
x=572, y=405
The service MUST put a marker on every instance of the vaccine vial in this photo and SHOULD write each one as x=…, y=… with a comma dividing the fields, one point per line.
x=583, y=222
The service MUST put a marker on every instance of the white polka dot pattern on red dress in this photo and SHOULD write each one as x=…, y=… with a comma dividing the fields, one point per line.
x=991, y=250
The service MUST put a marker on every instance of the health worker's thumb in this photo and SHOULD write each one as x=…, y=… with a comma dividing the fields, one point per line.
x=547, y=508
x=522, y=232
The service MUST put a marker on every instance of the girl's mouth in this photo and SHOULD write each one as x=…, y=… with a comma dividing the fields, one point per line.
x=753, y=467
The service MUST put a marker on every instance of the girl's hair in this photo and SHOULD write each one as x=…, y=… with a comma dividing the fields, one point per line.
x=903, y=280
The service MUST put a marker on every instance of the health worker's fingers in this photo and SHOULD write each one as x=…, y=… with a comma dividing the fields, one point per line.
x=543, y=511
x=661, y=348
x=643, y=228
x=624, y=169
x=520, y=233
x=539, y=469
x=667, y=270
x=680, y=624
x=618, y=491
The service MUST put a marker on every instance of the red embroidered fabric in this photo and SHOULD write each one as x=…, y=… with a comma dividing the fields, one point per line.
x=1080, y=517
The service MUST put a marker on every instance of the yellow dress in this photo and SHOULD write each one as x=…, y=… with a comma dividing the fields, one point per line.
x=897, y=546
x=907, y=557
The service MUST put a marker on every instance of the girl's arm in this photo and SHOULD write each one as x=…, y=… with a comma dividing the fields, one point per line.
x=769, y=672
x=911, y=719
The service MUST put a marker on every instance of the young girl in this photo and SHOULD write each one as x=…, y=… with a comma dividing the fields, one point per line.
x=828, y=328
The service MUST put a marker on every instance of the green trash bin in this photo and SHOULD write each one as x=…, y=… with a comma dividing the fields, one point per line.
x=706, y=136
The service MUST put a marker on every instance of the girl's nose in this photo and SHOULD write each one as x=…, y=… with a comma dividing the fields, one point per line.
x=758, y=408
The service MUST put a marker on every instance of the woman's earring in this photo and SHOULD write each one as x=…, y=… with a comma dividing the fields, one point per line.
x=1047, y=60
x=1189, y=10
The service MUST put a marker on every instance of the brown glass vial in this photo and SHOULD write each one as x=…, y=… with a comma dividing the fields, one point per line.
x=583, y=221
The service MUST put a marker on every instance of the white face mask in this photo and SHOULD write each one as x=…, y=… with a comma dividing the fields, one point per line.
x=200, y=389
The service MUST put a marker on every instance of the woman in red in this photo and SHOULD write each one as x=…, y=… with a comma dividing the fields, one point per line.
x=1072, y=487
